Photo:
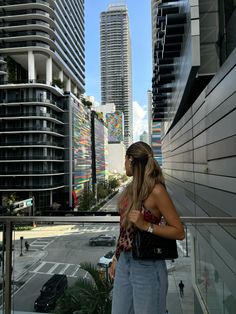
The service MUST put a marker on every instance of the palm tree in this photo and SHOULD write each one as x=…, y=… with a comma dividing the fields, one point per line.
x=87, y=296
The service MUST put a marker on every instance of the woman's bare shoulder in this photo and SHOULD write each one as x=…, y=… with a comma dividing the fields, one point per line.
x=158, y=190
x=154, y=197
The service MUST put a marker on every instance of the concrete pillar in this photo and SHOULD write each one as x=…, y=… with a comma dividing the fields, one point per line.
x=49, y=71
x=51, y=198
x=75, y=90
x=61, y=75
x=31, y=67
x=71, y=160
x=68, y=85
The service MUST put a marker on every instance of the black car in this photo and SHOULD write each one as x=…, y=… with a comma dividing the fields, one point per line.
x=50, y=293
x=103, y=239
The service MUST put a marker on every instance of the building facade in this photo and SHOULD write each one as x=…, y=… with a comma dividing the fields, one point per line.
x=144, y=137
x=194, y=99
x=116, y=68
x=81, y=142
x=99, y=138
x=149, y=108
x=156, y=141
x=116, y=158
x=41, y=58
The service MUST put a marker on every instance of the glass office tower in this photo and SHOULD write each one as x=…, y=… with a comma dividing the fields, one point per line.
x=41, y=58
x=115, y=57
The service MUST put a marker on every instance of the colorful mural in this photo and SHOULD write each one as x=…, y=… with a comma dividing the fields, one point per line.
x=115, y=127
x=82, y=146
x=101, y=137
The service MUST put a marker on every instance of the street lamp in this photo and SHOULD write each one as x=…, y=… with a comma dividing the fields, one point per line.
x=21, y=240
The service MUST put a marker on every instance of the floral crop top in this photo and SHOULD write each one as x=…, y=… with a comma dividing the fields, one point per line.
x=125, y=239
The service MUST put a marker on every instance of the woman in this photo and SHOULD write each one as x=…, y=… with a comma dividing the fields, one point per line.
x=140, y=286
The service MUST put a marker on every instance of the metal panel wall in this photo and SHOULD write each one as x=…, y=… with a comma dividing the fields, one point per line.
x=199, y=158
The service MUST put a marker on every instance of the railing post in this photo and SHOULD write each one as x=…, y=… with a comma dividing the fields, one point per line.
x=186, y=241
x=8, y=267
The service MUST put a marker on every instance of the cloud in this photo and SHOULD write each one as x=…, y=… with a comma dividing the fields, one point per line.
x=140, y=121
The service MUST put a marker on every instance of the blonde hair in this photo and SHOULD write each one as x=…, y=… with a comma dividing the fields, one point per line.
x=146, y=174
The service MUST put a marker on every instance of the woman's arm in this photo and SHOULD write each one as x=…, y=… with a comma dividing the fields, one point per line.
x=161, y=201
x=112, y=268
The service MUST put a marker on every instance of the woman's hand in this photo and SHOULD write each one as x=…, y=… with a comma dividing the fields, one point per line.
x=136, y=217
x=112, y=269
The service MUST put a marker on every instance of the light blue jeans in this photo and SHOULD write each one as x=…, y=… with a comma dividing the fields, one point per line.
x=140, y=286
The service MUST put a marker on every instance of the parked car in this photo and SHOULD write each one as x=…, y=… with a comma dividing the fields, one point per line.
x=106, y=260
x=50, y=293
x=103, y=239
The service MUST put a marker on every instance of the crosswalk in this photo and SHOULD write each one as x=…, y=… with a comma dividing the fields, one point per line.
x=50, y=268
x=44, y=267
x=91, y=228
x=42, y=243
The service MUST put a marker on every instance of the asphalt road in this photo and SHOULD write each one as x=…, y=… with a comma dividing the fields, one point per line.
x=111, y=205
x=63, y=254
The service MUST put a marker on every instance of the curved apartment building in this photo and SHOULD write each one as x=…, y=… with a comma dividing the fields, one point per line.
x=41, y=58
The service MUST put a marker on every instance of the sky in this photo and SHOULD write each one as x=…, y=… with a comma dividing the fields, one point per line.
x=140, y=31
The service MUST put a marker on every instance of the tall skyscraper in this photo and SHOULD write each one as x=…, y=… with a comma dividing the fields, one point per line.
x=116, y=71
x=41, y=65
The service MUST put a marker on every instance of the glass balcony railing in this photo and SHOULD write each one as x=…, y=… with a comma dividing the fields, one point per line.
x=31, y=157
x=23, y=172
x=14, y=2
x=31, y=114
x=31, y=186
x=70, y=247
x=40, y=100
x=30, y=128
x=25, y=143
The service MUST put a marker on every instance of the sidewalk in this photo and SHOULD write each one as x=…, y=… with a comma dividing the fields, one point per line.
x=22, y=263
x=182, y=271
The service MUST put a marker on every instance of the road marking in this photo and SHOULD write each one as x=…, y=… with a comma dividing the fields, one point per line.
x=64, y=269
x=77, y=268
x=42, y=243
x=25, y=283
x=90, y=228
x=49, y=243
x=38, y=245
x=85, y=276
x=53, y=268
x=40, y=266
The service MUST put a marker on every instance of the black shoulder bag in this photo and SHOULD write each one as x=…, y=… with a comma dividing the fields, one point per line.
x=149, y=246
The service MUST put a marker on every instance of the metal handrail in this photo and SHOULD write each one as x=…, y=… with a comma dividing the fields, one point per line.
x=107, y=217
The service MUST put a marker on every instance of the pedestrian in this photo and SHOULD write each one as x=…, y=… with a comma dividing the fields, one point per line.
x=140, y=286
x=27, y=245
x=181, y=288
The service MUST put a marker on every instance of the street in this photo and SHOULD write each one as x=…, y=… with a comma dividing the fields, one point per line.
x=63, y=254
